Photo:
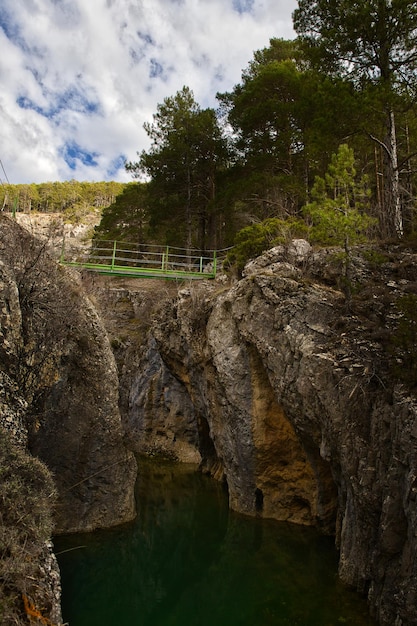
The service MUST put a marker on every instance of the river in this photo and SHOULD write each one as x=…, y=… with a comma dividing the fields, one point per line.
x=189, y=561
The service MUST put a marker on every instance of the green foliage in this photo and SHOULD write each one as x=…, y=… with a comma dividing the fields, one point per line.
x=186, y=152
x=274, y=133
x=337, y=211
x=283, y=133
x=266, y=129
x=26, y=500
x=375, y=258
x=253, y=240
x=374, y=40
x=126, y=219
x=373, y=46
x=71, y=198
x=338, y=202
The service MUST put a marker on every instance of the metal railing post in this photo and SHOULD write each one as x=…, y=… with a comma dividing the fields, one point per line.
x=113, y=259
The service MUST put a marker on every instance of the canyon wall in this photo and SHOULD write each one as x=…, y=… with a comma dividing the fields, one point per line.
x=59, y=407
x=298, y=397
x=301, y=401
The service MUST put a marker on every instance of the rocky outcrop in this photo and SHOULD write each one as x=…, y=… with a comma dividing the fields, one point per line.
x=303, y=406
x=54, y=349
x=61, y=236
x=59, y=390
x=158, y=415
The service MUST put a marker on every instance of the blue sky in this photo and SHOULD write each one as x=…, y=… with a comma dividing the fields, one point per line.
x=80, y=77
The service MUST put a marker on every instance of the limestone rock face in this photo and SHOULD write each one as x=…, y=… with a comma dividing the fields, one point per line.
x=161, y=416
x=59, y=385
x=298, y=407
x=79, y=434
x=158, y=414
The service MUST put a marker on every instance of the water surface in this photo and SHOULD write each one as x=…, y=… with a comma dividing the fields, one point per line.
x=188, y=561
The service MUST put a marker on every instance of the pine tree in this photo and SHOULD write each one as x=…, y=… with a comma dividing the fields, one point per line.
x=337, y=211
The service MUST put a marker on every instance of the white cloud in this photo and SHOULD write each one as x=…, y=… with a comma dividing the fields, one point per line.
x=80, y=78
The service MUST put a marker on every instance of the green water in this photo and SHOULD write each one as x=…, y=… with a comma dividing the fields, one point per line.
x=188, y=561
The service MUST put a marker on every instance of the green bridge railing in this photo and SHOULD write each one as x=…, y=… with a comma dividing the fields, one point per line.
x=145, y=260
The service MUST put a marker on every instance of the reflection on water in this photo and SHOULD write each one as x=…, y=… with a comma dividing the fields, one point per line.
x=188, y=561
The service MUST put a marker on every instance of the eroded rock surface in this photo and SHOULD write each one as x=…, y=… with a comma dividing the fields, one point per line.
x=303, y=406
x=59, y=392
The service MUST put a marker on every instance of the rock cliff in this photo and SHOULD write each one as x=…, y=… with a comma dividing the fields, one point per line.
x=302, y=400
x=59, y=393
x=305, y=406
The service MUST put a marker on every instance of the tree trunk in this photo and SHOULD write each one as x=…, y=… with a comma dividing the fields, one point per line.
x=188, y=216
x=393, y=218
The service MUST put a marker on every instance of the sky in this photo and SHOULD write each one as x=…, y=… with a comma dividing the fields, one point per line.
x=80, y=77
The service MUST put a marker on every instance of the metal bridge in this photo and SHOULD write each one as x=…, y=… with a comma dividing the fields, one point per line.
x=145, y=261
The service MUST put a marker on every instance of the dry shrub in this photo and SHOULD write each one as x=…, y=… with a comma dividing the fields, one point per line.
x=26, y=498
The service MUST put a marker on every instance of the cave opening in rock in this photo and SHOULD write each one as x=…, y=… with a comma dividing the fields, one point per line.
x=259, y=500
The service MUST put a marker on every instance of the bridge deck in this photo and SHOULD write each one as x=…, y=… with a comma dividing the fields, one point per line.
x=146, y=261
